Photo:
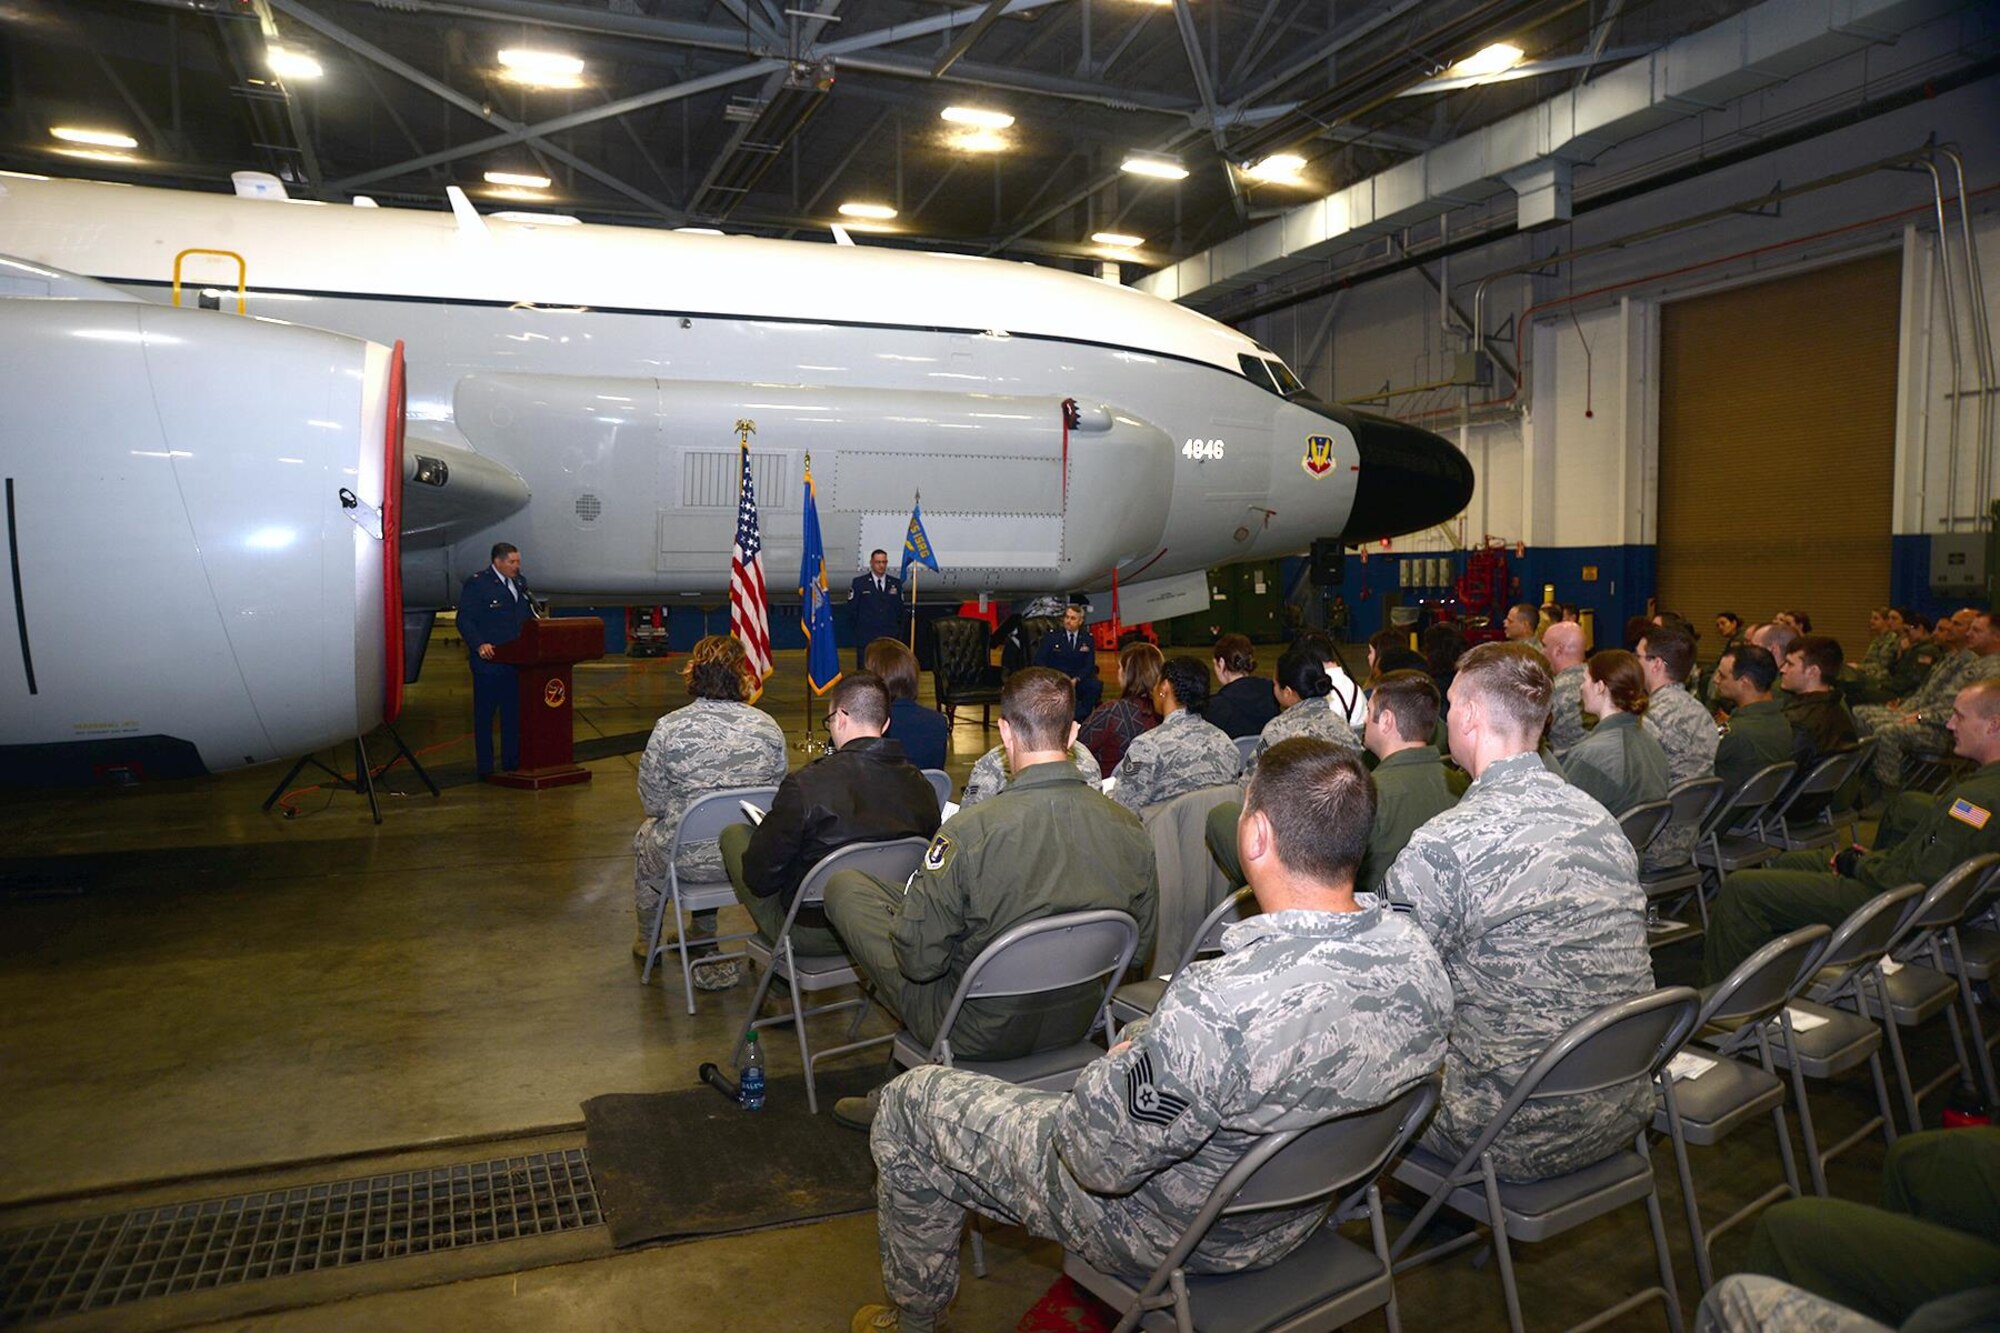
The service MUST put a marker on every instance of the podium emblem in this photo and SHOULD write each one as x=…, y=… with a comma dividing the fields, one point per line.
x=1319, y=455
x=554, y=695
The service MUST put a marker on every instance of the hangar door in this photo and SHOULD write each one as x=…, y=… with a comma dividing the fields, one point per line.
x=1777, y=449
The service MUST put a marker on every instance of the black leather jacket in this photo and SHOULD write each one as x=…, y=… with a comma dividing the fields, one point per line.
x=864, y=792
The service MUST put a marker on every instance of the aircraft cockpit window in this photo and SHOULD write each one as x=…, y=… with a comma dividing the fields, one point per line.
x=1256, y=372
x=1288, y=383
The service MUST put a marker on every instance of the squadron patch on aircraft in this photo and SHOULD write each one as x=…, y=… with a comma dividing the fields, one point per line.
x=1319, y=455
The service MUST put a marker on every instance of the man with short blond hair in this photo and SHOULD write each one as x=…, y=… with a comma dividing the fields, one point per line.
x=1530, y=891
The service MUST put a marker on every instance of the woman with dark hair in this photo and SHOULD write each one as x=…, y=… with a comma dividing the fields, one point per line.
x=1301, y=690
x=713, y=744
x=1244, y=703
x=923, y=732
x=1185, y=751
x=1443, y=646
x=1112, y=726
x=1618, y=762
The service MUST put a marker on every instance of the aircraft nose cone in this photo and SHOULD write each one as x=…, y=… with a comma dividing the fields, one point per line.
x=1410, y=480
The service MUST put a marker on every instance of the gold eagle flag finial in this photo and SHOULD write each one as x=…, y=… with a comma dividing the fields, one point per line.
x=746, y=427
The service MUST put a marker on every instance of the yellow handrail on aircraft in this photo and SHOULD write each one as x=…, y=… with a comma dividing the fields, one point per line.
x=242, y=275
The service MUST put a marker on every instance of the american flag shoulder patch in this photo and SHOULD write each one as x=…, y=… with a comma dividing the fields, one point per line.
x=1143, y=1099
x=1965, y=812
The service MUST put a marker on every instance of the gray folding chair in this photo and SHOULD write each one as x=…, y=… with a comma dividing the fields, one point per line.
x=1972, y=954
x=1032, y=958
x=1729, y=839
x=891, y=861
x=1622, y=1042
x=1805, y=817
x=1324, y=1283
x=1692, y=801
x=703, y=821
x=1644, y=823
x=1247, y=747
x=1138, y=999
x=1838, y=1040
x=1706, y=1106
x=940, y=783
x=1909, y=993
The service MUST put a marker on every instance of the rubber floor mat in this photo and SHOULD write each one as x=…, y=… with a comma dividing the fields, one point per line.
x=689, y=1163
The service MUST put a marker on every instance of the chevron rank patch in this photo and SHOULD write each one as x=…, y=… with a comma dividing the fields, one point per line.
x=938, y=853
x=1144, y=1101
x=1965, y=812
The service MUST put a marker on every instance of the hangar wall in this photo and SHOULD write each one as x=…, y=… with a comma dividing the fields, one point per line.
x=1567, y=466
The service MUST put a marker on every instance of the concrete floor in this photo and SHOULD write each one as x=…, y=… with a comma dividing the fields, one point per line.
x=197, y=992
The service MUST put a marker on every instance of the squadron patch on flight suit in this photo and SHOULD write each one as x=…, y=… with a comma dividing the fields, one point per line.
x=938, y=853
x=1144, y=1101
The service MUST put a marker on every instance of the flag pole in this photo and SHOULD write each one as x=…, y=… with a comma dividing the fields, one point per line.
x=807, y=743
x=913, y=605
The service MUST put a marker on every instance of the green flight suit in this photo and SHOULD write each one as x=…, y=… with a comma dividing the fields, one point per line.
x=1045, y=845
x=1619, y=764
x=1759, y=735
x=1920, y=839
x=1410, y=790
x=1934, y=1235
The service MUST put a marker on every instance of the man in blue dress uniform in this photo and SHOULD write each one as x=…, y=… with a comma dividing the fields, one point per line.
x=875, y=603
x=492, y=607
x=1070, y=651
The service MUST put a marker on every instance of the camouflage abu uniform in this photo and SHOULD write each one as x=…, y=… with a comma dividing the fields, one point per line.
x=1689, y=736
x=1748, y=1303
x=1307, y=717
x=1566, y=709
x=1932, y=704
x=1880, y=658
x=708, y=745
x=1184, y=752
x=1530, y=892
x=1307, y=1015
x=990, y=776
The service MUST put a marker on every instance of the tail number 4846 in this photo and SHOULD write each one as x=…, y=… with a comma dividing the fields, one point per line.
x=1201, y=451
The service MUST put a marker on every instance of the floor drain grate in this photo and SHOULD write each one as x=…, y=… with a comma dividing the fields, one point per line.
x=68, y=1267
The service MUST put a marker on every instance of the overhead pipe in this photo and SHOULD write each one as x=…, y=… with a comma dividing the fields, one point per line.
x=1957, y=359
x=1982, y=337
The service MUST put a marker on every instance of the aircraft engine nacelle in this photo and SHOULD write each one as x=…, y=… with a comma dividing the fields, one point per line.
x=202, y=514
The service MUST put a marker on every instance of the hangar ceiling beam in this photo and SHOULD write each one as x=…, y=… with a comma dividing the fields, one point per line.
x=370, y=51
x=607, y=23
x=973, y=32
x=1023, y=81
x=867, y=41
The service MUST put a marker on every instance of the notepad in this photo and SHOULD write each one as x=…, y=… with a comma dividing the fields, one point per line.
x=1689, y=1065
x=950, y=809
x=751, y=812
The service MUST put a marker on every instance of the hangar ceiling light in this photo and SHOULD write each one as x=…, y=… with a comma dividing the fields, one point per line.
x=1159, y=168
x=874, y=212
x=519, y=179
x=289, y=64
x=1117, y=240
x=541, y=69
x=94, y=138
x=1495, y=59
x=1277, y=169
x=977, y=117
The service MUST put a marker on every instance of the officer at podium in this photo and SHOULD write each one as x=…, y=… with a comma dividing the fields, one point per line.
x=492, y=607
x=875, y=604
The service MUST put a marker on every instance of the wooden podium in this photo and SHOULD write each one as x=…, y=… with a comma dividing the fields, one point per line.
x=542, y=657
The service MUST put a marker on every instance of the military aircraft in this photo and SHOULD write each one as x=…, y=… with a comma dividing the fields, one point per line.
x=223, y=524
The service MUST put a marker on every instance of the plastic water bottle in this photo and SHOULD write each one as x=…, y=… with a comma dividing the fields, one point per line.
x=750, y=1078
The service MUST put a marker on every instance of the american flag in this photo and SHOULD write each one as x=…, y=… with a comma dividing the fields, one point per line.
x=749, y=608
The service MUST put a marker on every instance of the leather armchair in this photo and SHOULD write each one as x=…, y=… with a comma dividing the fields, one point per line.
x=964, y=672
